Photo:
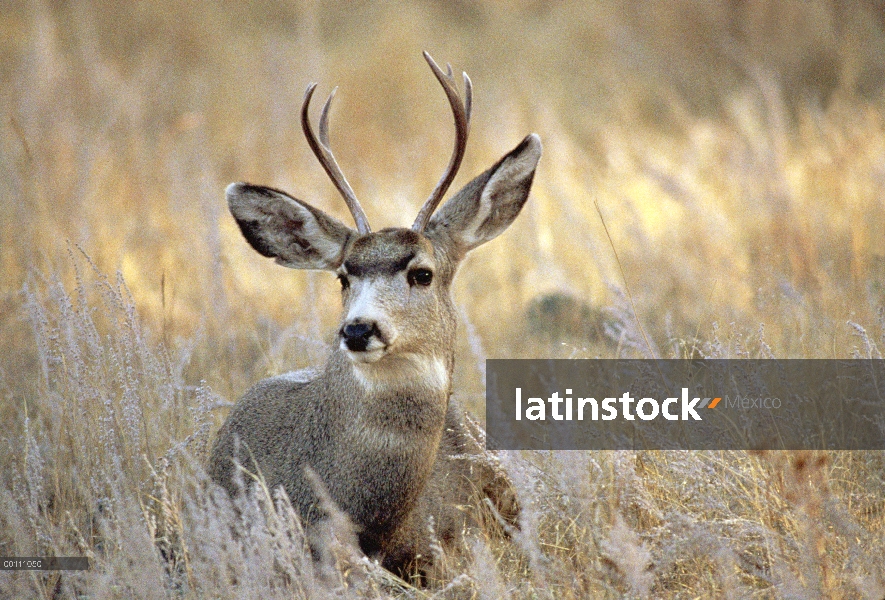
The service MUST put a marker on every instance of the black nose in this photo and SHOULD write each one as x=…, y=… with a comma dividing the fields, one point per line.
x=357, y=335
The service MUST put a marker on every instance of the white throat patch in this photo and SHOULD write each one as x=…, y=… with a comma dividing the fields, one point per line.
x=402, y=370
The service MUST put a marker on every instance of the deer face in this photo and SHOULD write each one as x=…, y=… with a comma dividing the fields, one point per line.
x=396, y=296
x=395, y=282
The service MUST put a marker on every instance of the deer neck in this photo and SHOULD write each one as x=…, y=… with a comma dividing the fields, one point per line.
x=406, y=381
x=395, y=417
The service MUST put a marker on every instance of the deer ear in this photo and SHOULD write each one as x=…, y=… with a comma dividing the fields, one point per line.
x=277, y=225
x=487, y=206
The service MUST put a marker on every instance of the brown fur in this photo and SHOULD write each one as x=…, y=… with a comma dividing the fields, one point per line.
x=375, y=424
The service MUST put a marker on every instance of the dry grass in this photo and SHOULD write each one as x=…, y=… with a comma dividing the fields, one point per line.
x=735, y=151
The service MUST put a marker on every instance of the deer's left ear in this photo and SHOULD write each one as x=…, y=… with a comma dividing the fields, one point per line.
x=487, y=206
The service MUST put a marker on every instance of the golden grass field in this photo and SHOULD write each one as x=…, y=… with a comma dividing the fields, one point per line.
x=736, y=151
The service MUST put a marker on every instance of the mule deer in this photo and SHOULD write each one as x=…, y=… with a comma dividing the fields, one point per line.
x=375, y=425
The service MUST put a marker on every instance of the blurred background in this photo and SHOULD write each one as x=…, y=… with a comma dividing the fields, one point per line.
x=735, y=150
x=711, y=185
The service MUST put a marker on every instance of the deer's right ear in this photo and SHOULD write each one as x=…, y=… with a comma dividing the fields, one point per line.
x=277, y=225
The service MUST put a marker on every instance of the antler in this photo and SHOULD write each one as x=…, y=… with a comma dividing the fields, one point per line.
x=324, y=154
x=461, y=111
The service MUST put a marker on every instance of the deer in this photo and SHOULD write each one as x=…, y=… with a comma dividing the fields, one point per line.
x=375, y=426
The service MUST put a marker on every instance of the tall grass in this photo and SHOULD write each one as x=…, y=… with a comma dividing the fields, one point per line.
x=735, y=151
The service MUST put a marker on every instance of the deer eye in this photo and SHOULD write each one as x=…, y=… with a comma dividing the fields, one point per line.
x=421, y=277
x=345, y=282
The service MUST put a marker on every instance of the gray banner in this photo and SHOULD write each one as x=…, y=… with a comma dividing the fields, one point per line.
x=685, y=405
x=37, y=563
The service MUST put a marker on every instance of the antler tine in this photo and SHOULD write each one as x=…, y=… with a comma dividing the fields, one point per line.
x=461, y=111
x=324, y=154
